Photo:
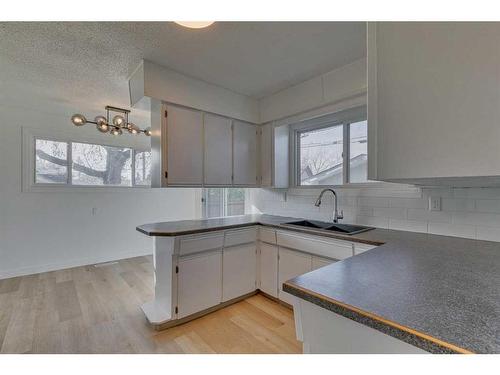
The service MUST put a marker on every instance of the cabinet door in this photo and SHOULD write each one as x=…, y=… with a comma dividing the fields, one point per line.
x=184, y=146
x=199, y=283
x=239, y=267
x=269, y=269
x=245, y=153
x=291, y=263
x=266, y=154
x=218, y=150
x=318, y=262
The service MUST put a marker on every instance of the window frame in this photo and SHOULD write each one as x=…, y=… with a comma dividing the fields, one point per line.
x=29, y=184
x=223, y=203
x=343, y=118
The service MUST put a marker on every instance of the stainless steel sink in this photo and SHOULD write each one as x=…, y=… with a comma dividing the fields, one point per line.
x=330, y=227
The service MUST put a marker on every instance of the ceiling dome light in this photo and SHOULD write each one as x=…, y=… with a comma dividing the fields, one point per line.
x=194, y=24
x=78, y=120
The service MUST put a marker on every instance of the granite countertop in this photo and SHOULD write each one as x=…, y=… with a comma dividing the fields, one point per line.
x=439, y=293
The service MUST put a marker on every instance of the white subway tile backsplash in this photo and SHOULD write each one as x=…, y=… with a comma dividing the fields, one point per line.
x=408, y=225
x=390, y=212
x=426, y=215
x=457, y=230
x=457, y=204
x=488, y=205
x=379, y=222
x=408, y=202
x=373, y=201
x=470, y=213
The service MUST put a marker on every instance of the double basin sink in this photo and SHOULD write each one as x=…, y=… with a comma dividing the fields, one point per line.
x=329, y=227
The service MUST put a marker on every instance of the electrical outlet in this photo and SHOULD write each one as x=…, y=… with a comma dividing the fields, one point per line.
x=94, y=211
x=434, y=203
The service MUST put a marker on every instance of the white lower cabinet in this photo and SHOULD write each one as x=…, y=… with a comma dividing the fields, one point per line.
x=199, y=282
x=239, y=271
x=318, y=262
x=269, y=269
x=291, y=264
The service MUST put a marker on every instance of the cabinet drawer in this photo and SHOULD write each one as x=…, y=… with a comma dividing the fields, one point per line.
x=200, y=243
x=315, y=245
x=267, y=235
x=240, y=236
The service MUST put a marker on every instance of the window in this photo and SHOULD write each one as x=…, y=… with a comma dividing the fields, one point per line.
x=218, y=202
x=86, y=164
x=332, y=150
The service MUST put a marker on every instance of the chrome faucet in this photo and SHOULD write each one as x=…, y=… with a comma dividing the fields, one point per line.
x=336, y=215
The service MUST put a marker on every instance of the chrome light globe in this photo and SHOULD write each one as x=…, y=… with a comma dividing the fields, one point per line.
x=118, y=120
x=147, y=132
x=116, y=131
x=103, y=127
x=132, y=128
x=78, y=120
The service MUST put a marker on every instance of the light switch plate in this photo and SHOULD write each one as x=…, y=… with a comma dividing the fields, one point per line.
x=434, y=203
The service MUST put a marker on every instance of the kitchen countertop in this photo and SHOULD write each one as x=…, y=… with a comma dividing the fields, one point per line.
x=439, y=293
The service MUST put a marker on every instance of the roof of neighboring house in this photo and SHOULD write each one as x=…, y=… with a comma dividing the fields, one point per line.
x=332, y=171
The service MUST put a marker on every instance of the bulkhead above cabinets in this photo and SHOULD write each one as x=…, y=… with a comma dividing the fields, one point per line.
x=193, y=148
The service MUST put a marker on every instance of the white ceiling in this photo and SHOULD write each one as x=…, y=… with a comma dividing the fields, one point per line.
x=78, y=62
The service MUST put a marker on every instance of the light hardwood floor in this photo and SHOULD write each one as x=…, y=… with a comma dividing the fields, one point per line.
x=96, y=310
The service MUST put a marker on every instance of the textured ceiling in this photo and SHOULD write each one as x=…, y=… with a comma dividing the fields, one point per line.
x=90, y=62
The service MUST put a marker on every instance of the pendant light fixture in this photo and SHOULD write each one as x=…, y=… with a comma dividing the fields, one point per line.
x=194, y=24
x=115, y=125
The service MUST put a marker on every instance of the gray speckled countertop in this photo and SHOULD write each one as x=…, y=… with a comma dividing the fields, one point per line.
x=439, y=293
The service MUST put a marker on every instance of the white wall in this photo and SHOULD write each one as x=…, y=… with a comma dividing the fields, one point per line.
x=52, y=230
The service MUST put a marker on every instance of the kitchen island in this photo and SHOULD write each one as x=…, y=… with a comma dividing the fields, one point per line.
x=433, y=293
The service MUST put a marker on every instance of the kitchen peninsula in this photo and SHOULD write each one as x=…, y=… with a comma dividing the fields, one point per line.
x=415, y=292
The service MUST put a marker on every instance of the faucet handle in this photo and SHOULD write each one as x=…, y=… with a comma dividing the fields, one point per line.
x=340, y=215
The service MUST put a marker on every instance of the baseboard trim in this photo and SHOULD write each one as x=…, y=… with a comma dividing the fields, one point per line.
x=23, y=271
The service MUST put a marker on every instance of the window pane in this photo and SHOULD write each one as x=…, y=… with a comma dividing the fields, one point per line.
x=51, y=162
x=143, y=168
x=101, y=165
x=358, y=162
x=214, y=200
x=235, y=202
x=321, y=156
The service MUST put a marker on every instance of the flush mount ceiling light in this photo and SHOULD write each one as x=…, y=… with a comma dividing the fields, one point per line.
x=116, y=126
x=194, y=24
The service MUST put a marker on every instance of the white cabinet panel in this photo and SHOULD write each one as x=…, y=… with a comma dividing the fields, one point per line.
x=184, y=146
x=434, y=102
x=318, y=262
x=327, y=247
x=267, y=235
x=218, y=150
x=199, y=243
x=244, y=153
x=199, y=283
x=269, y=269
x=239, y=271
x=291, y=263
x=266, y=154
x=240, y=236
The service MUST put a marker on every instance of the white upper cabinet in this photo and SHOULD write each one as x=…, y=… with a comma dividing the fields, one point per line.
x=245, y=154
x=195, y=148
x=266, y=154
x=184, y=131
x=218, y=150
x=434, y=102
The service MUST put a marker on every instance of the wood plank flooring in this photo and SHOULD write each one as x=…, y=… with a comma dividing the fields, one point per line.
x=97, y=310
